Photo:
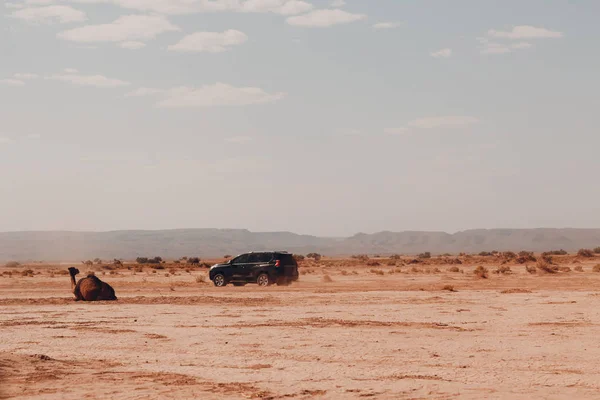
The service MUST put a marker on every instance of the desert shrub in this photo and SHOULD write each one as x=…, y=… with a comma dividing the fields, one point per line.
x=27, y=272
x=596, y=268
x=193, y=260
x=200, y=279
x=597, y=250
x=108, y=267
x=391, y=263
x=12, y=264
x=415, y=261
x=377, y=272
x=560, y=252
x=299, y=257
x=503, y=269
x=138, y=269
x=544, y=267
x=415, y=270
x=525, y=256
x=564, y=269
x=548, y=258
x=395, y=257
x=454, y=261
x=585, y=253
x=509, y=255
x=579, y=268
x=481, y=272
x=117, y=262
x=146, y=260
x=373, y=263
x=426, y=254
x=485, y=254
x=97, y=261
x=172, y=271
x=327, y=279
x=176, y=262
x=446, y=255
x=449, y=288
x=314, y=256
x=344, y=272
x=453, y=269
x=205, y=265
x=157, y=266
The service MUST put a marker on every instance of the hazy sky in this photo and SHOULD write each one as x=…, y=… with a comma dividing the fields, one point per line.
x=318, y=117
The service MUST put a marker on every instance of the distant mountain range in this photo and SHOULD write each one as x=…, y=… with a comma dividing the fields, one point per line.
x=77, y=246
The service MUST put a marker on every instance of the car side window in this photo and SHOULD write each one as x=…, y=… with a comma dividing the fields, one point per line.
x=254, y=258
x=241, y=259
x=265, y=257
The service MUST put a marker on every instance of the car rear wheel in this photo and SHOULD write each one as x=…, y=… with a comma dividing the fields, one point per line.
x=219, y=280
x=263, y=280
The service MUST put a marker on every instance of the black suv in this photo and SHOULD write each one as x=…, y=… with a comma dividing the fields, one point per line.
x=263, y=268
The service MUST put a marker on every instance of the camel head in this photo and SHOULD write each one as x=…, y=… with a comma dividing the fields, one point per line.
x=73, y=271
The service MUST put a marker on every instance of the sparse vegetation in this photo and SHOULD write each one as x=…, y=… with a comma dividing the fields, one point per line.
x=449, y=288
x=193, y=260
x=377, y=272
x=597, y=250
x=509, y=255
x=503, y=269
x=97, y=261
x=12, y=264
x=578, y=268
x=314, y=256
x=299, y=257
x=485, y=254
x=453, y=269
x=425, y=255
x=395, y=257
x=596, y=268
x=200, y=279
x=146, y=260
x=481, y=272
x=543, y=267
x=530, y=269
x=585, y=253
x=560, y=252
x=27, y=272
x=525, y=257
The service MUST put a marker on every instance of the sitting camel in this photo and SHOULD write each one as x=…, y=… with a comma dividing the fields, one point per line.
x=90, y=288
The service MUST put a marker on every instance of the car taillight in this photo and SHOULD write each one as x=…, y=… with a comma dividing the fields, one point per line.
x=277, y=263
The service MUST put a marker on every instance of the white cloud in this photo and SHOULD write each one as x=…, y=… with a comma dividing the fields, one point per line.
x=443, y=53
x=25, y=76
x=11, y=82
x=396, y=131
x=386, y=25
x=99, y=81
x=210, y=42
x=219, y=94
x=132, y=45
x=143, y=91
x=525, y=32
x=338, y=3
x=125, y=28
x=239, y=139
x=52, y=13
x=283, y=7
x=71, y=70
x=324, y=18
x=447, y=121
x=500, y=48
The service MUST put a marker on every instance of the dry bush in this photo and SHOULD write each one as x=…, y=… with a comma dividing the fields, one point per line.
x=391, y=263
x=485, y=254
x=585, y=253
x=597, y=250
x=298, y=257
x=354, y=272
x=453, y=269
x=509, y=255
x=544, y=267
x=172, y=271
x=579, y=268
x=564, y=269
x=200, y=279
x=109, y=267
x=167, y=275
x=395, y=257
x=60, y=272
x=454, y=261
x=138, y=269
x=12, y=264
x=27, y=272
x=516, y=291
x=596, y=268
x=503, y=269
x=449, y=288
x=158, y=266
x=327, y=279
x=415, y=269
x=360, y=257
x=530, y=269
x=344, y=272
x=373, y=263
x=426, y=254
x=560, y=252
x=525, y=257
x=436, y=270
x=481, y=272
x=377, y=272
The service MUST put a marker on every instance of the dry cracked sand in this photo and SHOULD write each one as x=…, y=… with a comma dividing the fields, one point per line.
x=362, y=335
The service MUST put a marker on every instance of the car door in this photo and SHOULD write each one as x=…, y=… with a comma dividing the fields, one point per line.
x=254, y=261
x=238, y=265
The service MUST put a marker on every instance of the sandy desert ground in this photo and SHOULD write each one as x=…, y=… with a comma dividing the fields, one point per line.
x=347, y=330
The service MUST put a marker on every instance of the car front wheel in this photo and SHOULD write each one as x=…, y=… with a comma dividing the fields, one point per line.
x=219, y=280
x=263, y=280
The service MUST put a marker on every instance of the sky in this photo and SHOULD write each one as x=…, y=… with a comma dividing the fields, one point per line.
x=323, y=117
